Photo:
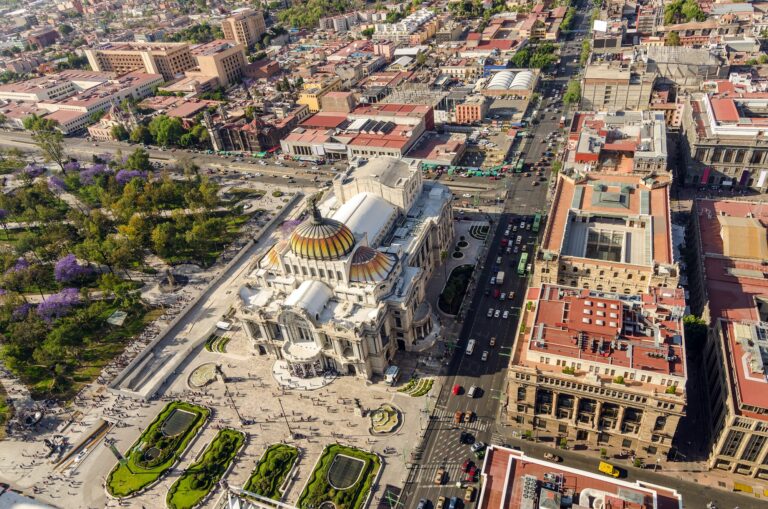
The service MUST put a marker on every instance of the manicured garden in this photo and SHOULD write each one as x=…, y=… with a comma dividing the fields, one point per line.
x=319, y=488
x=158, y=448
x=271, y=471
x=385, y=420
x=417, y=386
x=216, y=343
x=201, y=477
x=455, y=288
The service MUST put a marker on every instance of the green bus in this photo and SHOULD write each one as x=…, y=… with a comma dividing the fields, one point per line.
x=536, y=223
x=522, y=265
x=520, y=165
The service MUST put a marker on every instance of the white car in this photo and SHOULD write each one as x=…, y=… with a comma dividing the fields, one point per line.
x=506, y=314
x=315, y=168
x=490, y=312
x=497, y=313
x=286, y=176
x=257, y=174
x=466, y=195
x=484, y=357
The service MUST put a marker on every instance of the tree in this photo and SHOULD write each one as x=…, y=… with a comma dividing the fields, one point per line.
x=163, y=239
x=138, y=160
x=368, y=32
x=166, y=130
x=119, y=132
x=140, y=134
x=672, y=39
x=762, y=59
x=572, y=93
x=48, y=139
x=65, y=29
x=695, y=331
x=421, y=59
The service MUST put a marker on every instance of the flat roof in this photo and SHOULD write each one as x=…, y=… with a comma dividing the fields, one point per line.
x=639, y=332
x=747, y=347
x=511, y=479
x=613, y=196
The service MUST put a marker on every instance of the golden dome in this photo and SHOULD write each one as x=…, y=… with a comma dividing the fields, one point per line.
x=370, y=266
x=271, y=260
x=321, y=238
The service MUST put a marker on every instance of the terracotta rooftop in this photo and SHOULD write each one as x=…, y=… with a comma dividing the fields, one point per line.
x=509, y=477
x=641, y=333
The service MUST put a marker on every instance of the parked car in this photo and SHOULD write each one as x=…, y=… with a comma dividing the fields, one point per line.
x=477, y=446
x=453, y=503
x=484, y=357
x=490, y=313
x=469, y=494
x=457, y=417
x=468, y=463
x=469, y=415
x=440, y=502
x=456, y=390
x=423, y=504
x=492, y=342
x=497, y=313
x=440, y=475
x=552, y=457
x=506, y=314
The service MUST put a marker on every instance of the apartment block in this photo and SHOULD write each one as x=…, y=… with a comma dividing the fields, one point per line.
x=608, y=86
x=729, y=288
x=315, y=88
x=600, y=368
x=473, y=110
x=726, y=141
x=167, y=59
x=246, y=26
x=609, y=232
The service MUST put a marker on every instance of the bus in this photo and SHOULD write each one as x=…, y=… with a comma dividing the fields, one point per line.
x=520, y=165
x=521, y=266
x=536, y=223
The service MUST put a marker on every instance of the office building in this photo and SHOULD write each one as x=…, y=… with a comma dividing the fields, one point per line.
x=612, y=86
x=167, y=59
x=221, y=58
x=246, y=26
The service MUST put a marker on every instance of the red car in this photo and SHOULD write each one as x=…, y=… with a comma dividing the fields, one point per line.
x=467, y=465
x=471, y=474
x=496, y=293
x=456, y=390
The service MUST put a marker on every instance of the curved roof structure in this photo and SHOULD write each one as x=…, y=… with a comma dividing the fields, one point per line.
x=367, y=213
x=389, y=171
x=311, y=296
x=523, y=80
x=272, y=259
x=502, y=80
x=321, y=238
x=370, y=266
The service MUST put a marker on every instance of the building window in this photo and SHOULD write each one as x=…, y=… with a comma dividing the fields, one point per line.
x=732, y=442
x=753, y=448
x=626, y=443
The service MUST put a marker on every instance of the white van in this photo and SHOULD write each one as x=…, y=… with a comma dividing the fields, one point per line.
x=470, y=347
x=471, y=392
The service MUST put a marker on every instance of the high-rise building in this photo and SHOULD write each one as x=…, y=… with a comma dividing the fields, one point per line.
x=616, y=86
x=220, y=58
x=245, y=26
x=168, y=59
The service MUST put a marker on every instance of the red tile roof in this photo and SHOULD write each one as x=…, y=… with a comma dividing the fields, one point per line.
x=725, y=110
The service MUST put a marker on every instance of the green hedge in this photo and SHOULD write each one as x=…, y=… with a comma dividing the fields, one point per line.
x=126, y=479
x=201, y=477
x=271, y=471
x=455, y=288
x=318, y=490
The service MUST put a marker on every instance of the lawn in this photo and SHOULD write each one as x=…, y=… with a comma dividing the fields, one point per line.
x=200, y=478
x=139, y=471
x=216, y=343
x=455, y=289
x=271, y=471
x=318, y=489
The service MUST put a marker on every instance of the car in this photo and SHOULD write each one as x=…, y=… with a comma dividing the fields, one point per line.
x=456, y=390
x=315, y=168
x=511, y=296
x=535, y=183
x=457, y=417
x=493, y=280
x=514, y=228
x=484, y=357
x=440, y=502
x=465, y=437
x=477, y=446
x=490, y=313
x=496, y=293
x=472, y=474
x=522, y=224
x=508, y=250
x=505, y=315
x=286, y=176
x=440, y=475
x=258, y=174
x=466, y=195
x=469, y=415
x=497, y=313
x=453, y=503
x=472, y=391
x=516, y=250
x=492, y=342
x=468, y=463
x=552, y=457
x=423, y=504
x=503, y=296
x=469, y=494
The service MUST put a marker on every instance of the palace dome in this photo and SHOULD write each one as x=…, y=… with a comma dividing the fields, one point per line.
x=322, y=238
x=370, y=265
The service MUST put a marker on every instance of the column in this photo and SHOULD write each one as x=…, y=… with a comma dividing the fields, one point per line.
x=598, y=412
x=553, y=410
x=619, y=418
x=575, y=414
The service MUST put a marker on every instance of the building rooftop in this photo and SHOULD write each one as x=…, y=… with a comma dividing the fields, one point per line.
x=140, y=46
x=618, y=219
x=735, y=271
x=747, y=348
x=212, y=48
x=513, y=480
x=643, y=333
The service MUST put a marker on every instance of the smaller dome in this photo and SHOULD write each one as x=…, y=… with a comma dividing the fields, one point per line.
x=271, y=260
x=370, y=265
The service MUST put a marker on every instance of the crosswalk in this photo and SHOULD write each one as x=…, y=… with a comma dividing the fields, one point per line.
x=453, y=473
x=477, y=424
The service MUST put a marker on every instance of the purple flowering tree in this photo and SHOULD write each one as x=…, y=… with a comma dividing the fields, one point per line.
x=58, y=304
x=56, y=184
x=3, y=217
x=67, y=270
x=72, y=166
x=21, y=312
x=33, y=170
x=125, y=176
x=88, y=175
x=20, y=266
